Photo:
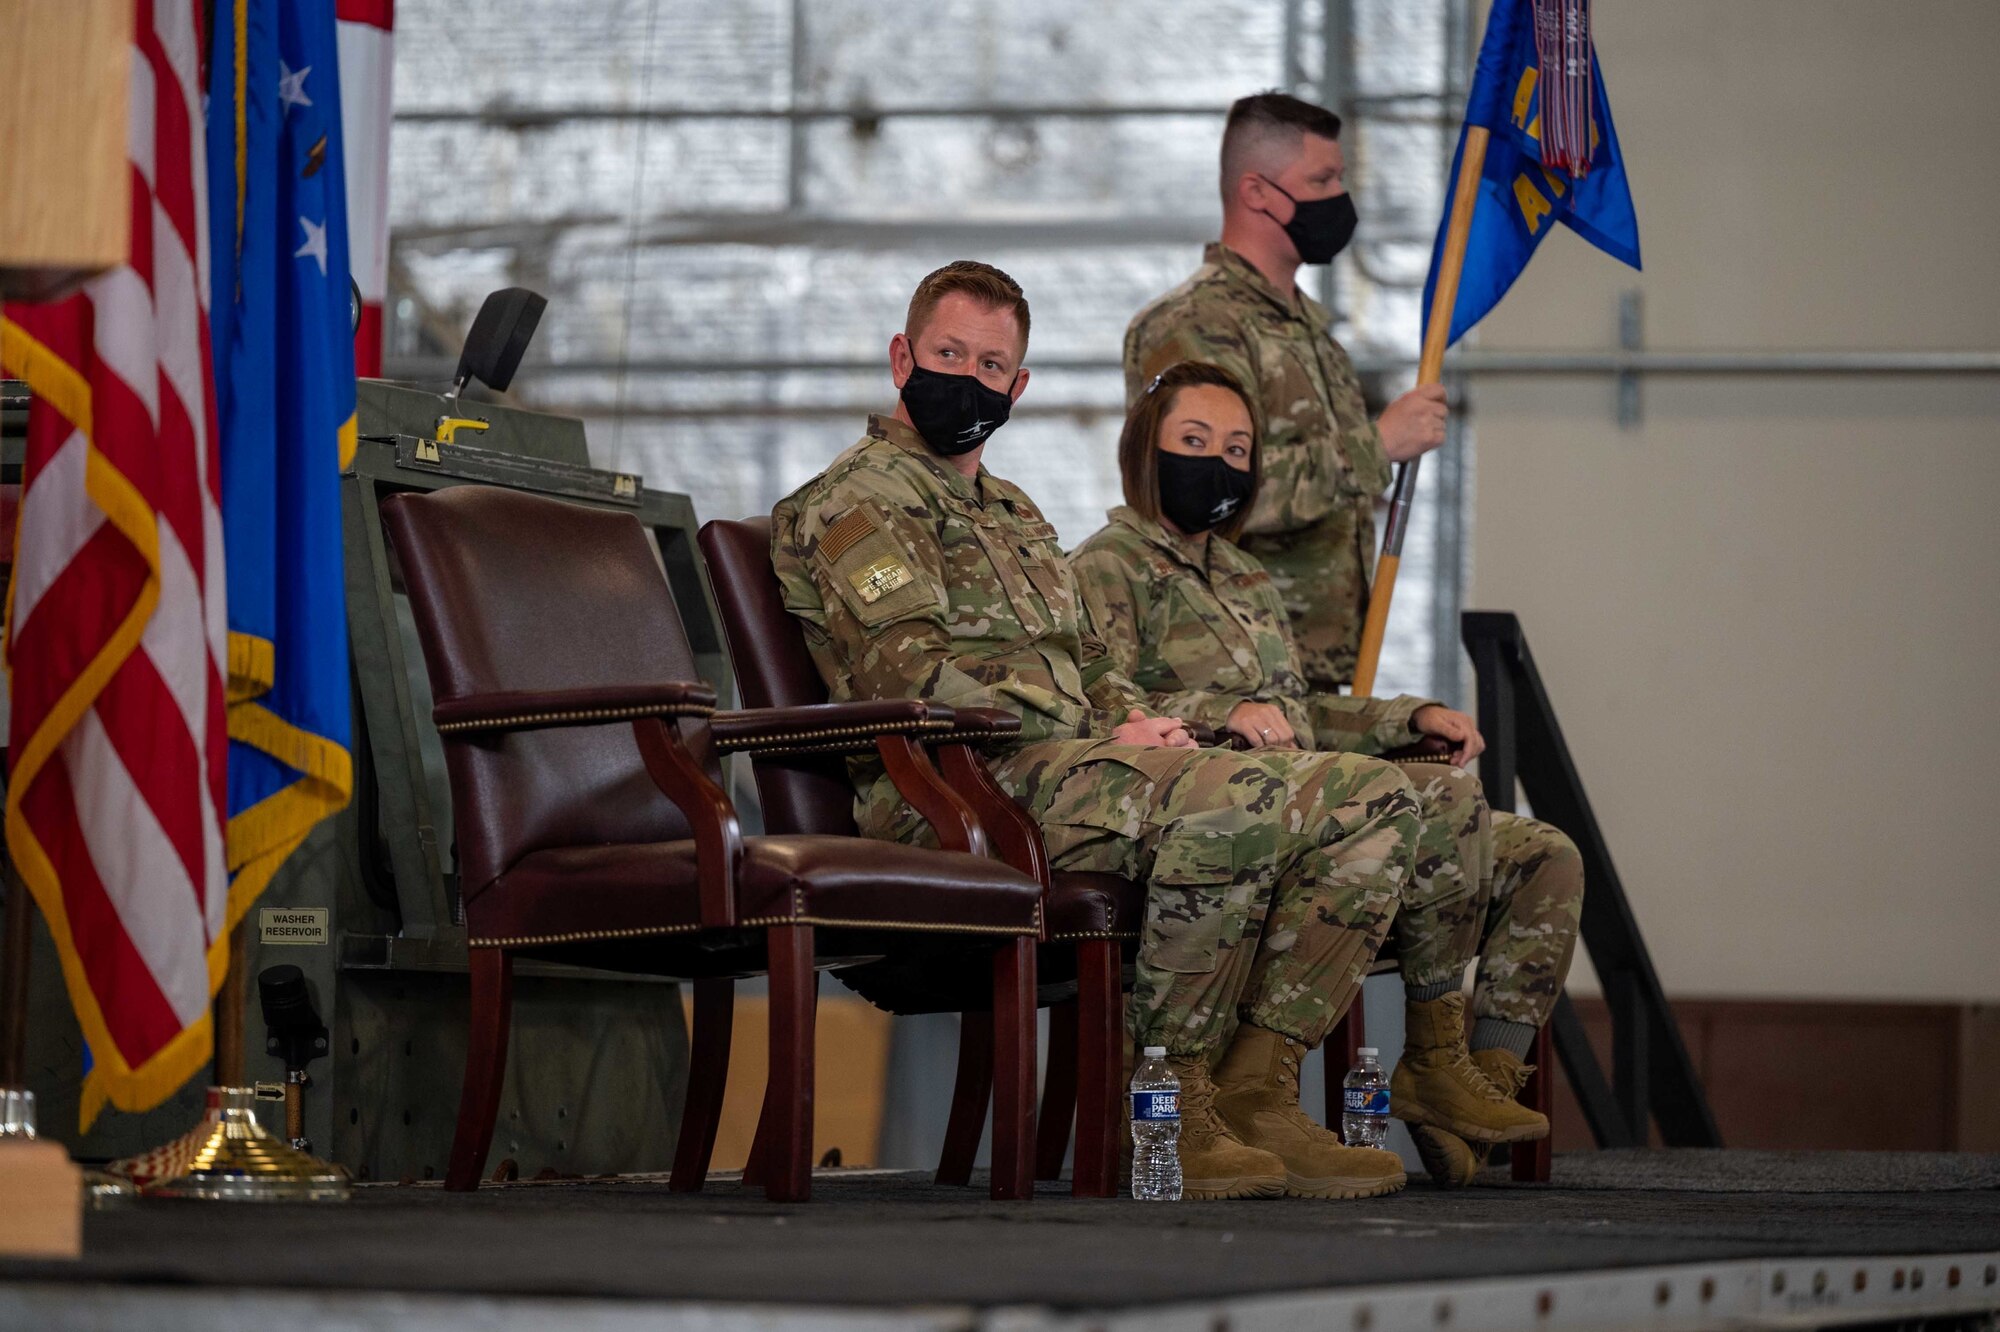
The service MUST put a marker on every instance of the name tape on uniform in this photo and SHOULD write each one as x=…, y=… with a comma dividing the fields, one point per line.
x=293, y=925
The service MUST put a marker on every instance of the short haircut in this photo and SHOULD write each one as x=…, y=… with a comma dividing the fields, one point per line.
x=1267, y=126
x=983, y=282
x=1139, y=443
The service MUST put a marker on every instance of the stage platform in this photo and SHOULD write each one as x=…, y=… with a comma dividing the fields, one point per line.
x=1619, y=1239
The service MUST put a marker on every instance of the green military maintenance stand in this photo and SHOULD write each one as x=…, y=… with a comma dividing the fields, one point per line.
x=368, y=908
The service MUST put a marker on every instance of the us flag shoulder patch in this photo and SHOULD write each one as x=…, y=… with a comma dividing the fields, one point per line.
x=854, y=525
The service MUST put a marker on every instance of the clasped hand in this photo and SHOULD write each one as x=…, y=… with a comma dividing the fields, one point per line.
x=1262, y=724
x=1152, y=732
x=1450, y=724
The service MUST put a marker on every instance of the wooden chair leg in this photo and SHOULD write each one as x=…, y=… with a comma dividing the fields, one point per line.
x=708, y=1077
x=1342, y=1050
x=1058, y=1092
x=485, y=1067
x=970, y=1093
x=760, y=1142
x=1532, y=1160
x=1014, y=1071
x=788, y=1102
x=1100, y=1069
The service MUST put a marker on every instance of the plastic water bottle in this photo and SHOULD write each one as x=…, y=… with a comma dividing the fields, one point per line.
x=1156, y=1129
x=1364, y=1118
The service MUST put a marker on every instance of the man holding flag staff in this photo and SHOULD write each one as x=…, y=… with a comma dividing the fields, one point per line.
x=1538, y=147
x=1284, y=204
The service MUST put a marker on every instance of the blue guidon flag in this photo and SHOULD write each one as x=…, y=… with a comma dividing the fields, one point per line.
x=284, y=373
x=1553, y=156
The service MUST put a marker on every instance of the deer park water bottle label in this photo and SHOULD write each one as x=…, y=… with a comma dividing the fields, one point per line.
x=1367, y=1101
x=1153, y=1107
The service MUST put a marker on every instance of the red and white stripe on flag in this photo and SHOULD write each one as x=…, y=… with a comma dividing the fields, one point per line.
x=116, y=624
x=367, y=69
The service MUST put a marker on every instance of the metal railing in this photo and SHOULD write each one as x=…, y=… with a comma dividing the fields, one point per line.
x=1653, y=1079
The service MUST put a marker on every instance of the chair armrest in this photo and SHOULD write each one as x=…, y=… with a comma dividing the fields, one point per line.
x=938, y=802
x=679, y=769
x=985, y=724
x=1209, y=738
x=533, y=709
x=1010, y=830
x=826, y=728
x=1433, y=748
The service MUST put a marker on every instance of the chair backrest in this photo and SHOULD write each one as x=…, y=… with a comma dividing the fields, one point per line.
x=799, y=794
x=518, y=592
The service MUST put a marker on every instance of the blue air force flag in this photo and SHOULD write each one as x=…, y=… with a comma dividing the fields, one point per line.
x=284, y=371
x=1520, y=199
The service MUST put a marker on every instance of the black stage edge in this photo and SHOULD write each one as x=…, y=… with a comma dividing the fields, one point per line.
x=891, y=1241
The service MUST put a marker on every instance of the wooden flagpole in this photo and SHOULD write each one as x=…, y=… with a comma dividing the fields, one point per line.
x=1444, y=299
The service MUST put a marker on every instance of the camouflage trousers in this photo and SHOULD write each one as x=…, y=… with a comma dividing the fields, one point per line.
x=1440, y=920
x=1271, y=878
x=1322, y=577
x=1531, y=920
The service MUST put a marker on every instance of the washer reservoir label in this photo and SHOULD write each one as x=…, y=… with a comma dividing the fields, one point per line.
x=292, y=925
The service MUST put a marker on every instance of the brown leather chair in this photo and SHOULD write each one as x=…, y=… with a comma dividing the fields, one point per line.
x=592, y=828
x=1090, y=918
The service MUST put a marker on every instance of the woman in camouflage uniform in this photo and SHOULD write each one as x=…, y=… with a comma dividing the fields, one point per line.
x=1196, y=622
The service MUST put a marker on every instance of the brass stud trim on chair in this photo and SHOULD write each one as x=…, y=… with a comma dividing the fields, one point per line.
x=581, y=936
x=578, y=715
x=932, y=926
x=590, y=936
x=818, y=736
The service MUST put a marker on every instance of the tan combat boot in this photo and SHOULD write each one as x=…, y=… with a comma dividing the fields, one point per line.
x=1437, y=1084
x=1257, y=1089
x=1215, y=1163
x=1451, y=1160
x=1504, y=1070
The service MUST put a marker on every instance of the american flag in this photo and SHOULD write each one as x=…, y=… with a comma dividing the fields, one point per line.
x=367, y=67
x=116, y=624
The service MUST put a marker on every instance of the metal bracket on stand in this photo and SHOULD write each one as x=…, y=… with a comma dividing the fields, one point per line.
x=1631, y=338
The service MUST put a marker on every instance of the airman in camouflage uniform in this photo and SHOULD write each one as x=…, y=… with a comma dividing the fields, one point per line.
x=1270, y=879
x=1201, y=630
x=1273, y=877
x=1313, y=523
x=1198, y=625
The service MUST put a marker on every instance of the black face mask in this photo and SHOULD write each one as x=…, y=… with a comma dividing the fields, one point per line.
x=1200, y=493
x=954, y=413
x=1320, y=228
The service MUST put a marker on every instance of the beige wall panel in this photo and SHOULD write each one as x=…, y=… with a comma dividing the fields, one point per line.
x=1770, y=615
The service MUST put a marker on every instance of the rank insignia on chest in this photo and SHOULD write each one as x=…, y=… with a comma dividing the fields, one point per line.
x=880, y=578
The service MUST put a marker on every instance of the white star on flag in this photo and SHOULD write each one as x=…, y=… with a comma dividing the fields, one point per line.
x=292, y=85
x=315, y=244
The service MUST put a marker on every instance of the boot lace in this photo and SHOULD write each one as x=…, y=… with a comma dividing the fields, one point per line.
x=1472, y=1075
x=1199, y=1117
x=1288, y=1076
